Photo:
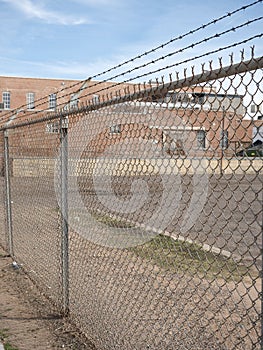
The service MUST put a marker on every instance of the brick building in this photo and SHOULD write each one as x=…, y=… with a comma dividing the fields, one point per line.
x=196, y=121
x=179, y=131
x=26, y=93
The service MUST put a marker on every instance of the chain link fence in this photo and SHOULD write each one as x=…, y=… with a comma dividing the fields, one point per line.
x=34, y=229
x=165, y=215
x=137, y=208
x=141, y=215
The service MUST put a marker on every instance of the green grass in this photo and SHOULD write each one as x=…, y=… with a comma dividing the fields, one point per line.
x=8, y=346
x=111, y=221
x=183, y=257
x=103, y=218
x=3, y=334
x=189, y=258
x=4, y=339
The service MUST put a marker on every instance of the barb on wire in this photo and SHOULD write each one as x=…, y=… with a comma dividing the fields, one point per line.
x=233, y=29
x=229, y=14
x=42, y=101
x=172, y=65
x=170, y=201
x=181, y=62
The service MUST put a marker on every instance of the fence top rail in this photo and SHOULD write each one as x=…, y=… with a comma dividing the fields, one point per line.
x=161, y=88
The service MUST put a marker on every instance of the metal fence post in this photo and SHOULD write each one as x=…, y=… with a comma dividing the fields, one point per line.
x=261, y=292
x=222, y=141
x=64, y=209
x=8, y=195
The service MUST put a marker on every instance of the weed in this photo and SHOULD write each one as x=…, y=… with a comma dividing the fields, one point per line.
x=184, y=257
x=111, y=221
x=8, y=346
x=3, y=333
x=4, y=339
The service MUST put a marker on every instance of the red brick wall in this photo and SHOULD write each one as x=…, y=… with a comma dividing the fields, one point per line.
x=137, y=120
x=19, y=87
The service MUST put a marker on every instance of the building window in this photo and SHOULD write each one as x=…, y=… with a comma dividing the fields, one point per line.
x=6, y=99
x=253, y=108
x=73, y=104
x=201, y=137
x=53, y=128
x=115, y=129
x=30, y=100
x=96, y=99
x=198, y=98
x=52, y=101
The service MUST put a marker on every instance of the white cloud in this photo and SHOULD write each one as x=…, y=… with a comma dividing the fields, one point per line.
x=34, y=10
x=56, y=69
x=97, y=2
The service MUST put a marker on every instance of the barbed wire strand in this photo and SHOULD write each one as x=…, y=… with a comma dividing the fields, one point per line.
x=9, y=113
x=180, y=37
x=159, y=70
x=184, y=61
x=151, y=72
x=233, y=29
x=205, y=40
x=215, y=36
x=229, y=14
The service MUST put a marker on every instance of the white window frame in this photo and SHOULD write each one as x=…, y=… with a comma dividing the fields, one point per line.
x=6, y=98
x=96, y=99
x=52, y=101
x=253, y=109
x=115, y=129
x=53, y=127
x=30, y=100
x=74, y=101
x=201, y=141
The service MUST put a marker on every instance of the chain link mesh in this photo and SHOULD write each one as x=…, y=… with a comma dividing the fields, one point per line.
x=35, y=222
x=165, y=238
x=139, y=211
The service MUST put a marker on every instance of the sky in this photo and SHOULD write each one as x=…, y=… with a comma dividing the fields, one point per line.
x=76, y=39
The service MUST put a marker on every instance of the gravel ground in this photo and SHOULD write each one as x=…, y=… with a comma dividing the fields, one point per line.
x=121, y=301
x=27, y=319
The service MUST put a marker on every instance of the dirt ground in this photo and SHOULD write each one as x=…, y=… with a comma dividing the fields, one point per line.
x=117, y=299
x=27, y=321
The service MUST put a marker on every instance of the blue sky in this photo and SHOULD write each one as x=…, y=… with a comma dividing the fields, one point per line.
x=75, y=39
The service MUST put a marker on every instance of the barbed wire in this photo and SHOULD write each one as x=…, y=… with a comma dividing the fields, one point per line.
x=217, y=35
x=42, y=100
x=178, y=63
x=229, y=14
x=206, y=76
x=60, y=112
x=184, y=254
x=161, y=69
x=191, y=46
